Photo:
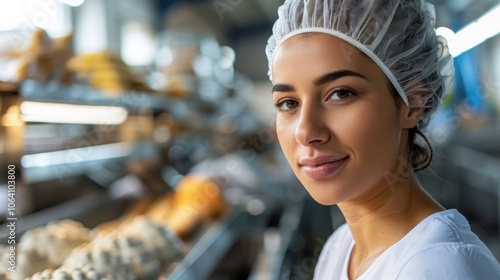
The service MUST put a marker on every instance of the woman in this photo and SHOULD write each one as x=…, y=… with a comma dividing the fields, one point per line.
x=354, y=83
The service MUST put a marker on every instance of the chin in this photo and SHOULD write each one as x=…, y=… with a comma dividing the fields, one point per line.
x=325, y=195
x=326, y=201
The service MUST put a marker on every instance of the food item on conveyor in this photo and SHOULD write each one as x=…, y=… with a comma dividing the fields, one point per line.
x=201, y=192
x=197, y=200
x=35, y=62
x=62, y=52
x=70, y=273
x=135, y=249
x=160, y=208
x=27, y=263
x=162, y=240
x=134, y=253
x=105, y=71
x=167, y=248
x=40, y=41
x=139, y=208
x=106, y=227
x=45, y=59
x=58, y=239
x=107, y=262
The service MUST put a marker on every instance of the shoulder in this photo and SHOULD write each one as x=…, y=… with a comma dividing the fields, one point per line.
x=446, y=227
x=451, y=261
x=444, y=247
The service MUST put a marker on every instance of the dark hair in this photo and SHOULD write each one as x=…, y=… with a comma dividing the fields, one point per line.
x=419, y=156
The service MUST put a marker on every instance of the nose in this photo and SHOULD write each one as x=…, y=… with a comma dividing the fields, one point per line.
x=311, y=128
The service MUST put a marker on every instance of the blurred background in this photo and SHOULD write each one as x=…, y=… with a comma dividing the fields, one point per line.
x=128, y=118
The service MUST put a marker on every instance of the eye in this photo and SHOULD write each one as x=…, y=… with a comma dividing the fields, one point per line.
x=286, y=105
x=342, y=94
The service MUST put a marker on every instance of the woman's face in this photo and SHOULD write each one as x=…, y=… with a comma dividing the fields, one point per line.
x=337, y=121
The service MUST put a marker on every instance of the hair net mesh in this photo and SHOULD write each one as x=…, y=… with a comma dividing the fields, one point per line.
x=398, y=35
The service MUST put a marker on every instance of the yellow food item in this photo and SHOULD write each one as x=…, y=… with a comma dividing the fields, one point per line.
x=184, y=221
x=105, y=56
x=105, y=71
x=45, y=59
x=40, y=41
x=109, y=85
x=80, y=65
x=161, y=208
x=197, y=200
x=202, y=194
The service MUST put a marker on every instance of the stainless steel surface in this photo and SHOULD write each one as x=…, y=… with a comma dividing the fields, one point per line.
x=211, y=248
x=80, y=94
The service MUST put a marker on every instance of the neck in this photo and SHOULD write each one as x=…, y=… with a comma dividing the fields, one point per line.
x=385, y=214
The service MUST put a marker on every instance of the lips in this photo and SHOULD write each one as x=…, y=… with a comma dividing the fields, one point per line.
x=322, y=167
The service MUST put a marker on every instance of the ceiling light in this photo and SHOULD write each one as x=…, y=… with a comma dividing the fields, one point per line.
x=475, y=33
x=71, y=113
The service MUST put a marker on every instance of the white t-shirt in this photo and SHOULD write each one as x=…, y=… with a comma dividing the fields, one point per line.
x=440, y=247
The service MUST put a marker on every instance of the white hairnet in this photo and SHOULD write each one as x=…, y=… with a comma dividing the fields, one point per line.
x=398, y=35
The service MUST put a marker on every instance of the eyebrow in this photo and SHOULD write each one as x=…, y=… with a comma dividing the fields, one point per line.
x=329, y=77
x=326, y=78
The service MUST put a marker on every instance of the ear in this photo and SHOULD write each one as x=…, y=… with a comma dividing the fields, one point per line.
x=411, y=116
